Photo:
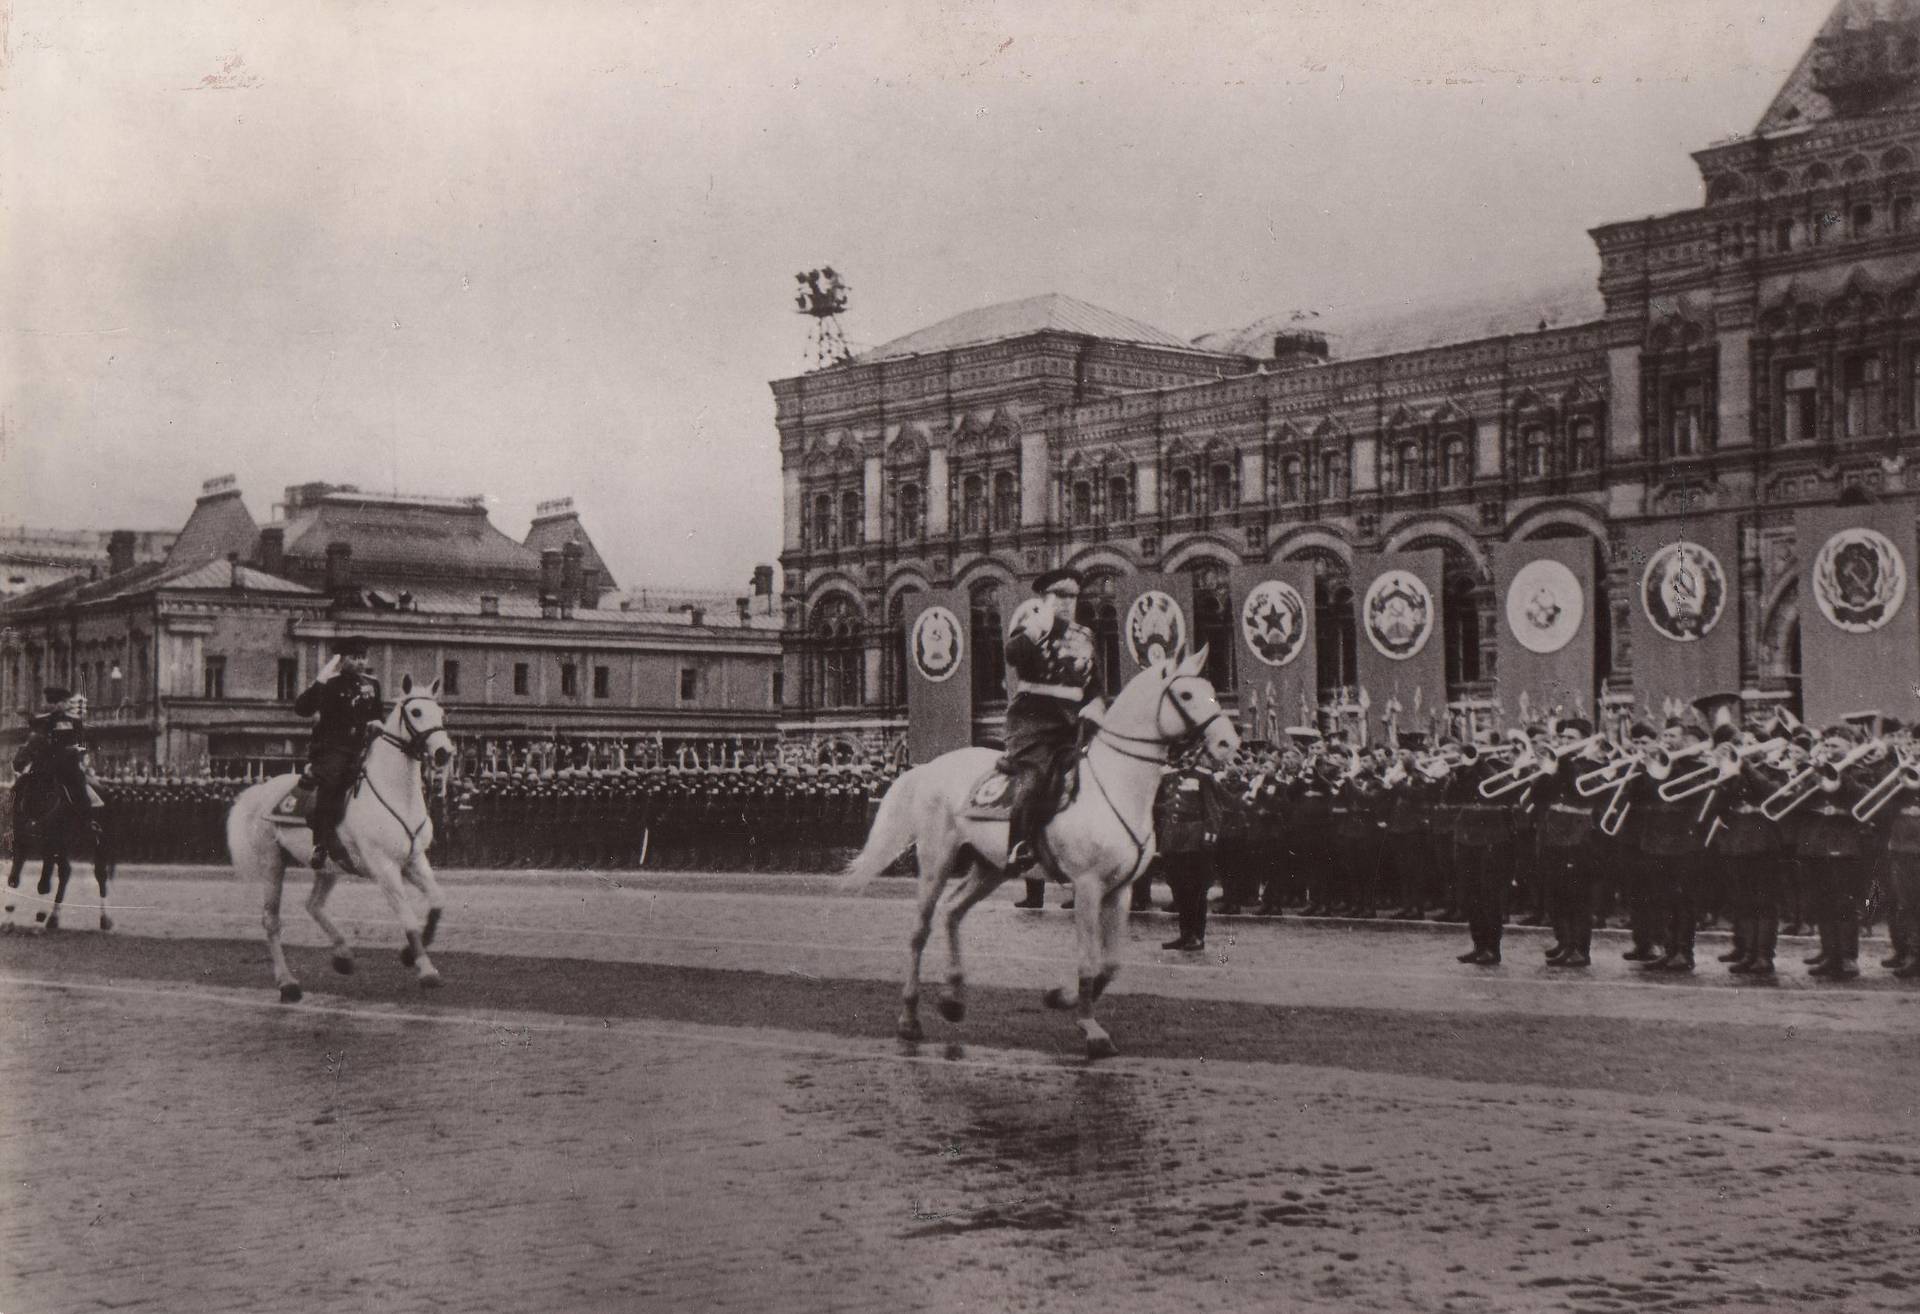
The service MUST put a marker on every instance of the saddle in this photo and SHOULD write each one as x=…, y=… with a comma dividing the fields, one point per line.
x=296, y=806
x=991, y=798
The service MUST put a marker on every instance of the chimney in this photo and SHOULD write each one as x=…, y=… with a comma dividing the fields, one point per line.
x=233, y=572
x=272, y=552
x=698, y=615
x=549, y=582
x=339, y=569
x=763, y=581
x=572, y=556
x=744, y=606
x=120, y=551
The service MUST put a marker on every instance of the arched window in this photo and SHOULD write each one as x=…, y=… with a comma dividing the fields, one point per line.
x=1406, y=473
x=1292, y=480
x=1182, y=492
x=1583, y=450
x=973, y=504
x=836, y=633
x=1006, y=501
x=1080, y=502
x=822, y=526
x=850, y=528
x=1099, y=611
x=1533, y=451
x=908, y=515
x=1453, y=462
x=897, y=613
x=1461, y=627
x=1119, y=498
x=1212, y=622
x=989, y=643
x=1333, y=476
x=1220, y=487
x=1333, y=620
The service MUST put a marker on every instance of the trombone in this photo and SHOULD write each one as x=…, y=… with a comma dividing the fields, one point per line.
x=1709, y=774
x=1904, y=776
x=1624, y=766
x=1614, y=815
x=1524, y=771
x=1817, y=775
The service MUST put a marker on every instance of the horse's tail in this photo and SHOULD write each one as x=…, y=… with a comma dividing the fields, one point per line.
x=891, y=836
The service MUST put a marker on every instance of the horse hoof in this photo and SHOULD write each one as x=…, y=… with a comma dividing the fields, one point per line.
x=1057, y=998
x=106, y=923
x=53, y=921
x=1101, y=1047
x=431, y=981
x=408, y=955
x=343, y=964
x=953, y=1010
x=909, y=1029
x=290, y=993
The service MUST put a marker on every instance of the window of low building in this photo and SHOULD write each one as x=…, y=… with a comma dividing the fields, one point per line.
x=569, y=680
x=689, y=684
x=450, y=678
x=602, y=682
x=213, y=677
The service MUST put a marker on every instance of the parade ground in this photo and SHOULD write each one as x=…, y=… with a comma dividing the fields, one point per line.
x=681, y=1092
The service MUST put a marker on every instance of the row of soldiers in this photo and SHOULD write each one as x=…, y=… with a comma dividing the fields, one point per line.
x=1772, y=827
x=771, y=818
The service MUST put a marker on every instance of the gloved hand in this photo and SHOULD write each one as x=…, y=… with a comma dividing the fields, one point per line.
x=331, y=669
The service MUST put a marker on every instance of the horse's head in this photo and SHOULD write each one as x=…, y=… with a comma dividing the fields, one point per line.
x=419, y=724
x=1171, y=701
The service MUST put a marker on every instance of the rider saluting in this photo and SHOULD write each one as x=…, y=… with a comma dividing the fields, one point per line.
x=345, y=698
x=57, y=746
x=1052, y=661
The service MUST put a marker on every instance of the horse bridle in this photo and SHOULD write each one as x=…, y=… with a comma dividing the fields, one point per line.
x=1195, y=729
x=414, y=745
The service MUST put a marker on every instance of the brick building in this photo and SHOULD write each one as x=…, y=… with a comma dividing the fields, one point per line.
x=1757, y=352
x=194, y=660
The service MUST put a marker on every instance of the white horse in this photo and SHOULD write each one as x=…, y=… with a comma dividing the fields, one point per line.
x=385, y=832
x=1102, y=841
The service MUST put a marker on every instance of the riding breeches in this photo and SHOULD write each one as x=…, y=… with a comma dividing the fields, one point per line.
x=333, y=774
x=1041, y=737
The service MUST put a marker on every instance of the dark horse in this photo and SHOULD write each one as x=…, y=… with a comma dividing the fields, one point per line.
x=48, y=821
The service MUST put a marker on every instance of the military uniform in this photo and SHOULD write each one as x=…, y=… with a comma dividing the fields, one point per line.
x=345, y=704
x=1189, y=811
x=1052, y=661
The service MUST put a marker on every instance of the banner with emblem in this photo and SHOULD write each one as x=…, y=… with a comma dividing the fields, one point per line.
x=939, y=674
x=1683, y=582
x=1156, y=619
x=1277, y=661
x=1400, y=647
x=1543, y=603
x=1859, y=639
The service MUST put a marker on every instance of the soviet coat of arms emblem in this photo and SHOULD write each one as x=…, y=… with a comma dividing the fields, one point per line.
x=937, y=644
x=1273, y=621
x=1545, y=605
x=1683, y=591
x=1859, y=580
x=1155, y=628
x=1397, y=614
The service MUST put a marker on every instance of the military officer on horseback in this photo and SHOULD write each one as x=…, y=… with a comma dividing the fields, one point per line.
x=346, y=698
x=56, y=748
x=1052, y=661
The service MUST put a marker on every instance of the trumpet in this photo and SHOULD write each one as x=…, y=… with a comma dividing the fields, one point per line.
x=1818, y=775
x=1905, y=776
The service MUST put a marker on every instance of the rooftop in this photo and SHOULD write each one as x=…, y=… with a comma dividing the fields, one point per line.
x=1050, y=312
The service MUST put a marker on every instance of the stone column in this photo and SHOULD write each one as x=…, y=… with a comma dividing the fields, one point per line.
x=939, y=496
x=873, y=518
x=1253, y=477
x=1146, y=487
x=1035, y=472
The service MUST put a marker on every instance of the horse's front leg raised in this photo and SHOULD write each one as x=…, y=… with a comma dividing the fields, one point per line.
x=386, y=875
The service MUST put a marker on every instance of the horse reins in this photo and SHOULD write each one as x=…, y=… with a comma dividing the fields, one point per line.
x=413, y=747
x=1194, y=730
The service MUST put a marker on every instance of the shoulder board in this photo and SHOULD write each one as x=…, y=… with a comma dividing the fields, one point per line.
x=1034, y=618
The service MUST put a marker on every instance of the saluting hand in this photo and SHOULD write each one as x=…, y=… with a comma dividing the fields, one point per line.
x=331, y=669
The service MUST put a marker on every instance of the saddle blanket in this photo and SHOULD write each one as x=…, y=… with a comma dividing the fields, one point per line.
x=295, y=807
x=991, y=798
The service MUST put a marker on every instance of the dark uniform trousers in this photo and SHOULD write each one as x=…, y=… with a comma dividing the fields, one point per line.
x=1833, y=864
x=1567, y=874
x=1903, y=880
x=1483, y=864
x=1750, y=876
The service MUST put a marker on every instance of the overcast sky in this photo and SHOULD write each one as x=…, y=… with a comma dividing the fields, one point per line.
x=532, y=248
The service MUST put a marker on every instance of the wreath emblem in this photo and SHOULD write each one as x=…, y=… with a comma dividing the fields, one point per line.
x=1274, y=622
x=1859, y=580
x=1398, y=614
x=1545, y=605
x=1155, y=628
x=1683, y=591
x=937, y=644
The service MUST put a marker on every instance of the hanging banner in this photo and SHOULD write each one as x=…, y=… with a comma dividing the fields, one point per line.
x=1277, y=660
x=1859, y=639
x=1544, y=603
x=939, y=674
x=1156, y=619
x=1684, y=610
x=1401, y=648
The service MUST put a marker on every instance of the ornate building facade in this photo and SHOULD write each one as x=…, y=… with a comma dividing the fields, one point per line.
x=1756, y=353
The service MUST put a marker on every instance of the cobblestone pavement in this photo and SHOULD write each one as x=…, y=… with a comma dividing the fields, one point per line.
x=680, y=1093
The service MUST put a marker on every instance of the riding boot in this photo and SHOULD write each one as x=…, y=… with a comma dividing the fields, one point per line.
x=1036, y=895
x=322, y=845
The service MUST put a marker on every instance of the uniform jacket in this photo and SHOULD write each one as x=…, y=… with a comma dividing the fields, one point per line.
x=1479, y=823
x=1050, y=655
x=344, y=705
x=1187, y=812
x=1565, y=820
x=55, y=738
